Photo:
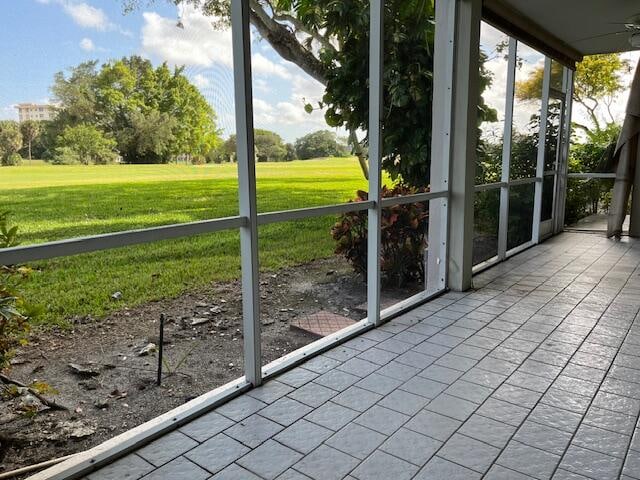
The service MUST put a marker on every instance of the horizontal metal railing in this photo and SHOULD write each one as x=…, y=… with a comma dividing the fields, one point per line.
x=511, y=183
x=107, y=241
x=590, y=176
x=414, y=198
x=302, y=213
x=490, y=186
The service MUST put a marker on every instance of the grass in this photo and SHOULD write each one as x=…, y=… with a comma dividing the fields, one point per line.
x=56, y=202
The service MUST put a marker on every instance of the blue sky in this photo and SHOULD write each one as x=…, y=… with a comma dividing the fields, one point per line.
x=42, y=37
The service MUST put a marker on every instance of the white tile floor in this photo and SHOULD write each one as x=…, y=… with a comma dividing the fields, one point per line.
x=534, y=374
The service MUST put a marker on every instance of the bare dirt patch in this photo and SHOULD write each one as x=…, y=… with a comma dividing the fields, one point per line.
x=109, y=386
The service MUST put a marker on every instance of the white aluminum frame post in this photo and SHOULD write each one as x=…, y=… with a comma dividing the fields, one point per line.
x=241, y=37
x=441, y=138
x=563, y=159
x=376, y=66
x=463, y=138
x=507, y=136
x=542, y=149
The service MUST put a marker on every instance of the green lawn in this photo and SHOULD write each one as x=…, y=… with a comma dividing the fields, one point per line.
x=56, y=202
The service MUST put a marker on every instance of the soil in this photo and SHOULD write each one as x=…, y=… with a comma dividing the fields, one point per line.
x=113, y=387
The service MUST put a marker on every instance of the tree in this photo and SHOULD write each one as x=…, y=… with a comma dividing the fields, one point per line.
x=598, y=80
x=85, y=144
x=147, y=138
x=76, y=94
x=154, y=114
x=269, y=146
x=322, y=143
x=328, y=39
x=30, y=130
x=226, y=151
x=10, y=142
x=291, y=152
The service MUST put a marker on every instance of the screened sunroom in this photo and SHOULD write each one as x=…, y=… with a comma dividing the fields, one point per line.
x=518, y=357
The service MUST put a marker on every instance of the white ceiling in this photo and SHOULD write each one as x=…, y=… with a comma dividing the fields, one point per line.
x=582, y=24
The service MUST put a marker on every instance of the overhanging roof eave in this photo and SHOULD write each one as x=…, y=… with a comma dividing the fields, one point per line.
x=524, y=29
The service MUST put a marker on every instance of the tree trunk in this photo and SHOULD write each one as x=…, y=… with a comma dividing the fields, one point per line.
x=359, y=151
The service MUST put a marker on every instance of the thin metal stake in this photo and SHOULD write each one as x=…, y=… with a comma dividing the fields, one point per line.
x=160, y=344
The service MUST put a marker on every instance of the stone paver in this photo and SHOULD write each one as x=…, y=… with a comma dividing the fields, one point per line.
x=179, y=468
x=383, y=465
x=321, y=324
x=535, y=374
x=167, y=448
x=130, y=467
x=303, y=436
x=253, y=430
x=217, y=452
x=411, y=446
x=356, y=440
x=270, y=459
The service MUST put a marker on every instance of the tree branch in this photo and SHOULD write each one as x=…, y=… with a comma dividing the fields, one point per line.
x=591, y=110
x=584, y=128
x=359, y=152
x=608, y=101
x=284, y=41
x=47, y=403
x=285, y=17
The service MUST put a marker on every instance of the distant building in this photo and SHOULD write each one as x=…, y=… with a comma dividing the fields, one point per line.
x=35, y=111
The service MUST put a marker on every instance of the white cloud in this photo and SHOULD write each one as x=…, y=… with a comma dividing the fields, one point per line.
x=263, y=112
x=200, y=81
x=87, y=45
x=289, y=117
x=197, y=43
x=87, y=16
x=306, y=89
x=261, y=85
x=261, y=65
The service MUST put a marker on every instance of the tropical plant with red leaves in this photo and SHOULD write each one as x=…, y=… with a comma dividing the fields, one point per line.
x=403, y=237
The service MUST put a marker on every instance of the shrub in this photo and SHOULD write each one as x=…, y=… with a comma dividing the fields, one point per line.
x=10, y=142
x=12, y=160
x=85, y=144
x=13, y=323
x=403, y=238
x=65, y=156
x=586, y=197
